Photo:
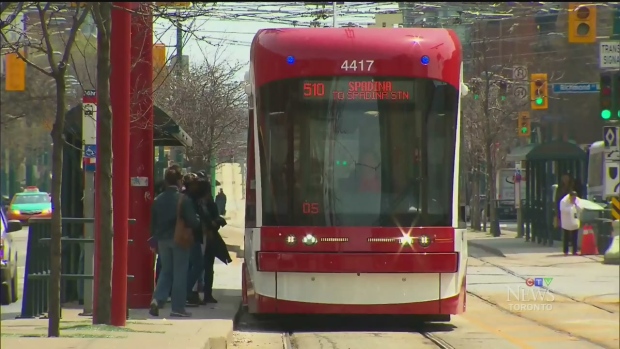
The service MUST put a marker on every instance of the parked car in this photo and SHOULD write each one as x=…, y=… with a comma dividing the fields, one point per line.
x=8, y=260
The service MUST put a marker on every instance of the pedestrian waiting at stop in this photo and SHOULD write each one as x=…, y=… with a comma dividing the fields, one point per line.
x=168, y=208
x=570, y=210
x=197, y=189
x=215, y=246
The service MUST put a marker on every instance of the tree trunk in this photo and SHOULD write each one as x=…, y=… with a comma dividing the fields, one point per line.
x=103, y=17
x=475, y=206
x=493, y=222
x=58, y=139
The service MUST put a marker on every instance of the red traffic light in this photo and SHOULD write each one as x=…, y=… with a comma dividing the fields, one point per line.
x=539, y=83
x=606, y=91
x=583, y=12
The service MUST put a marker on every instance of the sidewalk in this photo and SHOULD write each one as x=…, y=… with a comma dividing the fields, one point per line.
x=210, y=326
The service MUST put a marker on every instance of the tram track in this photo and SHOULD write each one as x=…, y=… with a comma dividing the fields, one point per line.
x=288, y=342
x=536, y=321
x=512, y=273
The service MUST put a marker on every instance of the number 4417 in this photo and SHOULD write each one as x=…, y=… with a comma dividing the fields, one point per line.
x=361, y=65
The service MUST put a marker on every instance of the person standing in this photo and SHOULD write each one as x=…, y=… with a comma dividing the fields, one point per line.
x=220, y=201
x=167, y=208
x=570, y=208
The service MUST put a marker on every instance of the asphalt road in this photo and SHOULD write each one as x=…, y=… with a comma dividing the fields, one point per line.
x=20, y=239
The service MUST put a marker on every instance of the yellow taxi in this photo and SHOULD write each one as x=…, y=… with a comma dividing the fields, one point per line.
x=30, y=203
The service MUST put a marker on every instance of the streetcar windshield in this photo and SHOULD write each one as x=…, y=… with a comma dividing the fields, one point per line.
x=357, y=151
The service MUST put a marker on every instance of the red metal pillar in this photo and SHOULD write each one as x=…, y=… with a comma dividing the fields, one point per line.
x=120, y=96
x=141, y=155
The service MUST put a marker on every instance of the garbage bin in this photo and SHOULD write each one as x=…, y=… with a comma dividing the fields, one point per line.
x=593, y=214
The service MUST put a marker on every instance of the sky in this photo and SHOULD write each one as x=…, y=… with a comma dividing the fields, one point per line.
x=236, y=36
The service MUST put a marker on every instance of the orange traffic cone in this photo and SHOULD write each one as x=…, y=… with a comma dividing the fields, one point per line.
x=588, y=243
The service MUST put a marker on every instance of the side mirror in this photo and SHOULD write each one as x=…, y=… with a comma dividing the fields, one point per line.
x=14, y=226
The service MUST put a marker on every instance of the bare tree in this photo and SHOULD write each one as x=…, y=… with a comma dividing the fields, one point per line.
x=58, y=55
x=490, y=114
x=103, y=18
x=208, y=103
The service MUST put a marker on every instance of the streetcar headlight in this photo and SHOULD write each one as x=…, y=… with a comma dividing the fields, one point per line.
x=406, y=240
x=291, y=240
x=424, y=241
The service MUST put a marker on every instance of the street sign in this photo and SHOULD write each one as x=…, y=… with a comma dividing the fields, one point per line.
x=576, y=88
x=520, y=94
x=609, y=54
x=519, y=72
x=610, y=136
x=612, y=180
x=90, y=151
x=612, y=155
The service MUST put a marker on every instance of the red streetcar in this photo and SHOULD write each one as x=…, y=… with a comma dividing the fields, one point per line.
x=353, y=173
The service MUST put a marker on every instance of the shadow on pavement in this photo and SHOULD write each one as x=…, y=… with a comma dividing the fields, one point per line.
x=336, y=323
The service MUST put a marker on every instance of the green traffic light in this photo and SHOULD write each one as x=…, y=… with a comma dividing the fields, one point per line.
x=524, y=130
x=476, y=96
x=606, y=114
x=539, y=101
x=503, y=98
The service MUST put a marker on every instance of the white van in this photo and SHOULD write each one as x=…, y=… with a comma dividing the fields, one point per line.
x=596, y=172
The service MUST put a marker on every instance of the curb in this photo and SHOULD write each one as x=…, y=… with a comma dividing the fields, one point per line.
x=492, y=250
x=223, y=342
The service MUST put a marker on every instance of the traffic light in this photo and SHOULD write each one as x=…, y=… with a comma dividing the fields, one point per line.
x=605, y=97
x=524, y=126
x=475, y=90
x=539, y=93
x=581, y=23
x=503, y=87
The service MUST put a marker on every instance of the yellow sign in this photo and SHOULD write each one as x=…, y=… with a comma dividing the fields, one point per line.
x=615, y=208
x=159, y=63
x=15, y=73
x=173, y=4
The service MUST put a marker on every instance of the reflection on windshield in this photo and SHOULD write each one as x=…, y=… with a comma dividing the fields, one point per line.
x=31, y=199
x=332, y=162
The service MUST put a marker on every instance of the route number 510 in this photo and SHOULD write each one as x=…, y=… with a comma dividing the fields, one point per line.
x=361, y=65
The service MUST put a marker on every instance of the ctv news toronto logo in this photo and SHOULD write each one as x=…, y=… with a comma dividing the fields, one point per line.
x=534, y=296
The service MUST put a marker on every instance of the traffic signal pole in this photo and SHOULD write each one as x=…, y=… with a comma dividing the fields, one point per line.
x=120, y=48
x=141, y=156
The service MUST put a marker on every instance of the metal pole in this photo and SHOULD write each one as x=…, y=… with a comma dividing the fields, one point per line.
x=120, y=96
x=89, y=138
x=141, y=157
x=335, y=14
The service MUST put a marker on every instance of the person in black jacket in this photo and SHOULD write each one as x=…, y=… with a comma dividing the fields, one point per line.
x=197, y=189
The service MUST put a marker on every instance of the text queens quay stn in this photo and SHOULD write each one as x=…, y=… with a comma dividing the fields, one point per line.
x=534, y=296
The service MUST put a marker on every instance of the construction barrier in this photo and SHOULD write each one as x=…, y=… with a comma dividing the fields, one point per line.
x=615, y=209
x=38, y=261
x=588, y=242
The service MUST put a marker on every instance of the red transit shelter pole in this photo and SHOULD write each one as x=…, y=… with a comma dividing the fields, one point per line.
x=141, y=155
x=119, y=94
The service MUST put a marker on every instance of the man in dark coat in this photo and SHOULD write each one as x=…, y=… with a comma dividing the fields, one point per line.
x=220, y=201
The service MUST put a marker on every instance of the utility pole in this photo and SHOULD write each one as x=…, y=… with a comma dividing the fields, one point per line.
x=335, y=14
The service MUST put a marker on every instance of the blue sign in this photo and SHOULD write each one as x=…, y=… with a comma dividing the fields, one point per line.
x=90, y=151
x=576, y=88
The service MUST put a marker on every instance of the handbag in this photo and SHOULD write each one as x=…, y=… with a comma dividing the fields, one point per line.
x=183, y=235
